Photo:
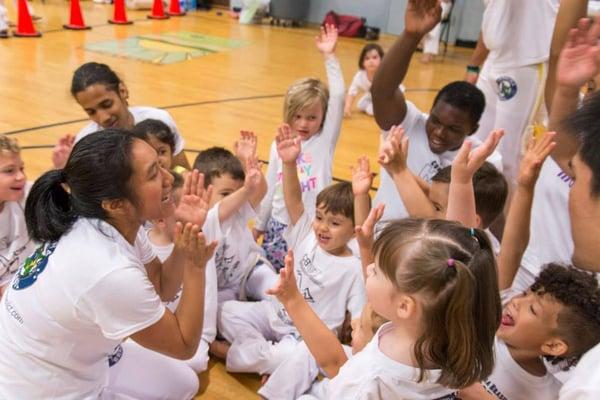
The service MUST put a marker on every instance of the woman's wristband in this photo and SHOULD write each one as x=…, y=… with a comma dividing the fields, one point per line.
x=474, y=69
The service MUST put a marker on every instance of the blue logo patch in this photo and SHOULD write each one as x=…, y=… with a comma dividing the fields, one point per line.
x=507, y=88
x=115, y=356
x=33, y=266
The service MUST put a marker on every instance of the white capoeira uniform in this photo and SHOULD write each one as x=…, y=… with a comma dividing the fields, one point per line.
x=517, y=34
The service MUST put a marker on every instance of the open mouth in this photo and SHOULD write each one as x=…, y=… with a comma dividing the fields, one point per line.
x=323, y=239
x=507, y=320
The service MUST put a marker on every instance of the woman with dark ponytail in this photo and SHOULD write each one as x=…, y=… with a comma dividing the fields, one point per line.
x=95, y=280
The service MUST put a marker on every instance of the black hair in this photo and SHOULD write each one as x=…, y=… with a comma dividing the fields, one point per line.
x=93, y=73
x=490, y=189
x=584, y=124
x=99, y=168
x=464, y=96
x=579, y=320
x=156, y=128
x=368, y=47
x=217, y=161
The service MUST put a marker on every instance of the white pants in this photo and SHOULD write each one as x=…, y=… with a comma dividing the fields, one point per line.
x=302, y=366
x=261, y=278
x=365, y=104
x=141, y=373
x=3, y=18
x=431, y=42
x=513, y=97
x=257, y=344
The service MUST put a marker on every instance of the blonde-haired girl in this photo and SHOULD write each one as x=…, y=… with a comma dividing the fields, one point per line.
x=314, y=114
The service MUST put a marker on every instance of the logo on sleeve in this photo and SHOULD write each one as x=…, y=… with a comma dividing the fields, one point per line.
x=507, y=88
x=33, y=266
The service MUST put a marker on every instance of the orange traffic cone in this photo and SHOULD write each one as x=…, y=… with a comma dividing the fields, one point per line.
x=120, y=17
x=158, y=11
x=76, y=17
x=175, y=9
x=25, y=26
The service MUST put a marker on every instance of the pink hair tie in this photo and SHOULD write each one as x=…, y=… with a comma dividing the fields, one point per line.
x=451, y=263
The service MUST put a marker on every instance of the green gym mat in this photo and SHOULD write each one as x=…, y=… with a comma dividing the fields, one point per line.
x=166, y=48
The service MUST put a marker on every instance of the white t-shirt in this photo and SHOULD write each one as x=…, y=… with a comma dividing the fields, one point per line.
x=64, y=313
x=315, y=162
x=584, y=384
x=421, y=161
x=140, y=114
x=211, y=232
x=550, y=231
x=237, y=251
x=15, y=245
x=361, y=83
x=330, y=284
x=509, y=381
x=517, y=32
x=370, y=374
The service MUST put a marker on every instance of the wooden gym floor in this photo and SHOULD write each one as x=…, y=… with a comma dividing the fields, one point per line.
x=211, y=98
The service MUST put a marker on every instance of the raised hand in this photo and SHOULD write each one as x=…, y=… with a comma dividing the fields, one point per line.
x=365, y=233
x=579, y=60
x=62, y=151
x=286, y=288
x=394, y=153
x=193, y=206
x=253, y=175
x=468, y=161
x=531, y=164
x=191, y=242
x=288, y=145
x=327, y=40
x=245, y=146
x=422, y=16
x=362, y=177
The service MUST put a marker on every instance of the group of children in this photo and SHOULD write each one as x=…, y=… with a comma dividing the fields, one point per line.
x=439, y=306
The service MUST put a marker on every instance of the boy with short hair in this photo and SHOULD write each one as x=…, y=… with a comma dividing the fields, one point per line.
x=329, y=275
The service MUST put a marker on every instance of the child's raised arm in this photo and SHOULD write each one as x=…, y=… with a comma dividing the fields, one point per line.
x=389, y=104
x=516, y=230
x=245, y=151
x=322, y=343
x=362, y=180
x=461, y=198
x=392, y=157
x=288, y=149
x=326, y=43
x=578, y=63
x=365, y=236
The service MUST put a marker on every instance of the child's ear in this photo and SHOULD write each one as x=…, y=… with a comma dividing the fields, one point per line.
x=555, y=347
x=406, y=306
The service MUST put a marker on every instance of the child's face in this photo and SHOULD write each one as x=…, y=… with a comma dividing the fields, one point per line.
x=333, y=231
x=223, y=186
x=307, y=122
x=380, y=292
x=438, y=195
x=447, y=127
x=362, y=329
x=528, y=321
x=105, y=107
x=12, y=176
x=371, y=61
x=165, y=154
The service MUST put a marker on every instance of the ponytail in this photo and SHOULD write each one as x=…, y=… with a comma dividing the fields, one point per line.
x=98, y=169
x=454, y=270
x=48, y=208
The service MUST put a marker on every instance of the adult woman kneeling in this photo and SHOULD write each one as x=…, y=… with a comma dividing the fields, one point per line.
x=95, y=281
